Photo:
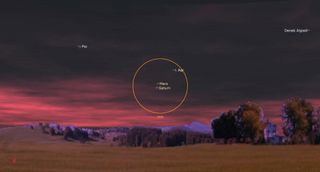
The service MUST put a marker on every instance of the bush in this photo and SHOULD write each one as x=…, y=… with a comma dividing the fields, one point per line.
x=80, y=135
x=67, y=134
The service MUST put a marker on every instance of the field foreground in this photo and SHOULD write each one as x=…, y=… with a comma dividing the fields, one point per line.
x=74, y=157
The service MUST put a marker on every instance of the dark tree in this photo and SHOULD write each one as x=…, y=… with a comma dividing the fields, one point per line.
x=224, y=127
x=244, y=123
x=249, y=122
x=315, y=135
x=68, y=133
x=80, y=135
x=298, y=120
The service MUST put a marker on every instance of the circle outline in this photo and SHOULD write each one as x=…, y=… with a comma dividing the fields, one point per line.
x=152, y=111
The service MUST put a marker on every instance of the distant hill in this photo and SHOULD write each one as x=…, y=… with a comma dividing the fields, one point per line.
x=24, y=134
x=19, y=134
x=194, y=126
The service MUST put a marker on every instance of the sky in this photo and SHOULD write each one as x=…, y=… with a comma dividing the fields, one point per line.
x=232, y=52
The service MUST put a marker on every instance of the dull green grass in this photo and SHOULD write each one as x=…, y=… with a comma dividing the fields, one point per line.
x=73, y=157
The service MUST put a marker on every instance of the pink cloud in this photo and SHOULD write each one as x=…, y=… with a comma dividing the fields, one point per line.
x=102, y=102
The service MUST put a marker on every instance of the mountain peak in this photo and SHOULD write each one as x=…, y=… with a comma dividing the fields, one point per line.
x=198, y=127
x=195, y=126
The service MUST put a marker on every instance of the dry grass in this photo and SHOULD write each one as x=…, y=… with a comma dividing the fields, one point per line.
x=72, y=157
x=36, y=152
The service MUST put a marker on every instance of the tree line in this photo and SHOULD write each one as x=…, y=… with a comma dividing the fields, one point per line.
x=154, y=137
x=300, y=123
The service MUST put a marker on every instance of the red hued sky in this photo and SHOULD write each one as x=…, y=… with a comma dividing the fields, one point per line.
x=232, y=51
x=101, y=102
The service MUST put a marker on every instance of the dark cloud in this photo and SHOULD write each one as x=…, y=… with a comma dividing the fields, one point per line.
x=232, y=51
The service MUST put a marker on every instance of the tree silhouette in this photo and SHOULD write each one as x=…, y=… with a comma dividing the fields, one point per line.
x=249, y=122
x=297, y=120
x=224, y=127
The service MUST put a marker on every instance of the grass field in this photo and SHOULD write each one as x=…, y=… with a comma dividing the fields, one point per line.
x=22, y=149
x=74, y=157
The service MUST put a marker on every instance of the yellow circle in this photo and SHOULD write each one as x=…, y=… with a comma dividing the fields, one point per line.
x=155, y=112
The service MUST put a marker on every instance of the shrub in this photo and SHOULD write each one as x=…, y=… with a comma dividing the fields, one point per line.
x=80, y=135
x=67, y=134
